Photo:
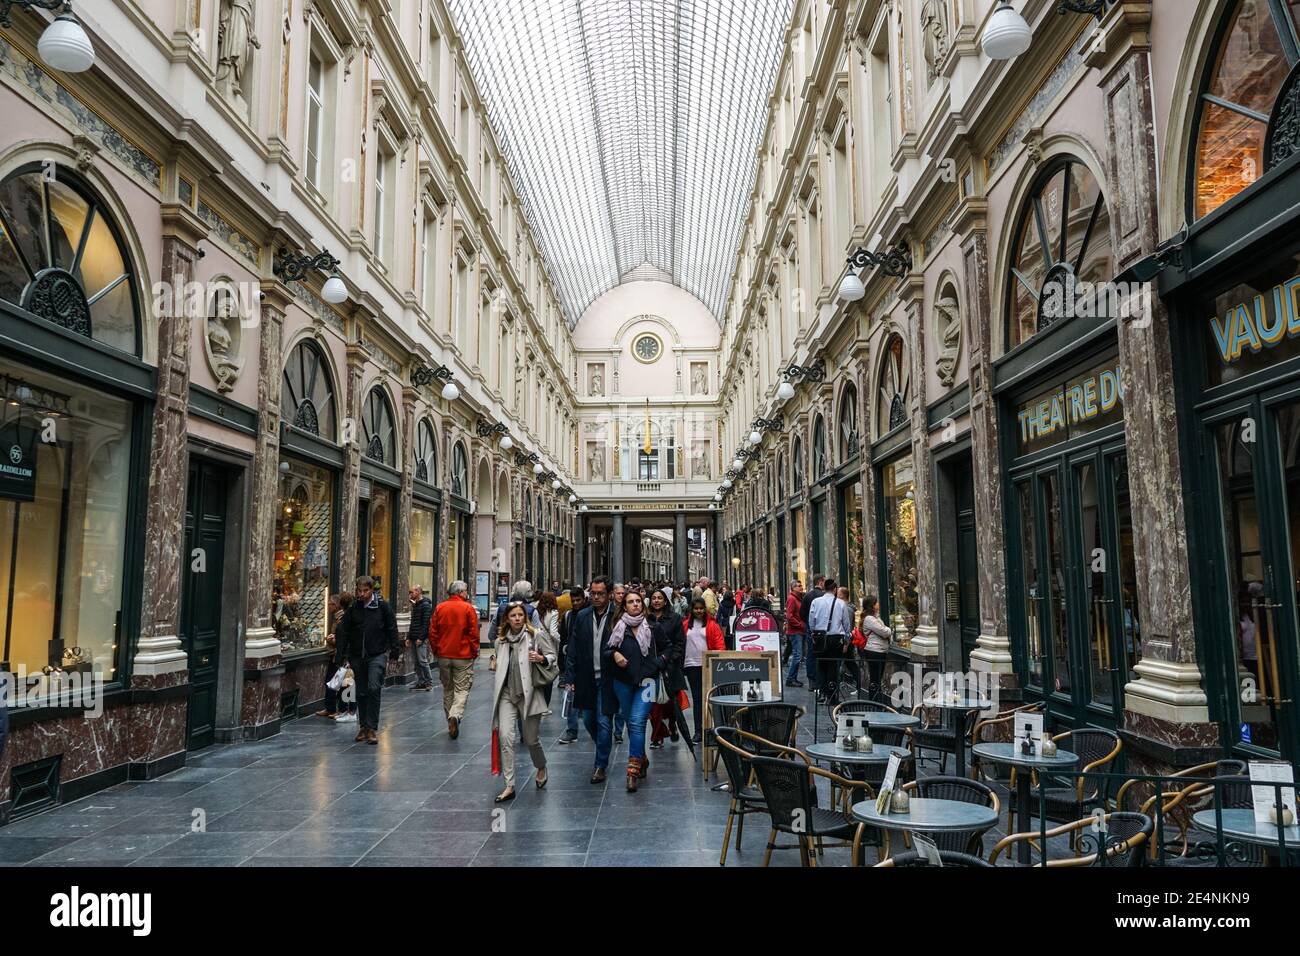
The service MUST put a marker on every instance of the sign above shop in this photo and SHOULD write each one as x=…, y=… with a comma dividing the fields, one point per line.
x=1083, y=404
x=1251, y=329
x=17, y=462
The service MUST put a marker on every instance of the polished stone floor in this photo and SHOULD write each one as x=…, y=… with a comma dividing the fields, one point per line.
x=312, y=797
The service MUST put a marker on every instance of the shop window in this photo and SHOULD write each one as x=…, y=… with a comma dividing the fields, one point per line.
x=63, y=525
x=304, y=532
x=1257, y=52
x=1061, y=247
x=379, y=558
x=307, y=396
x=894, y=389
x=848, y=419
x=898, y=519
x=424, y=547
x=426, y=453
x=62, y=257
x=459, y=471
x=378, y=432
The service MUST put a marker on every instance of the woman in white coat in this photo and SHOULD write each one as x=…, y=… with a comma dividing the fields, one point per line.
x=525, y=661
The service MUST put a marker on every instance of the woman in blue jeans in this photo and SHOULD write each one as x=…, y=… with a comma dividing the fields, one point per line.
x=629, y=663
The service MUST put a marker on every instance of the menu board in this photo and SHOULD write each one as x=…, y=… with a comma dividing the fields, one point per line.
x=1028, y=741
x=1265, y=798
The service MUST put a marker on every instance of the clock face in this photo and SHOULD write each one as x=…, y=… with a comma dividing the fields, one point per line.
x=646, y=348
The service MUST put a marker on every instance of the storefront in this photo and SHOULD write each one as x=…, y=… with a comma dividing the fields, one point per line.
x=1072, y=591
x=458, y=521
x=307, y=513
x=817, y=495
x=891, y=454
x=74, y=424
x=380, y=489
x=1236, y=331
x=849, y=504
x=425, y=510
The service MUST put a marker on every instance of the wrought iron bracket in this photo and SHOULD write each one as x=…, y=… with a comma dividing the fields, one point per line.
x=1096, y=8
x=28, y=5
x=522, y=459
x=761, y=424
x=423, y=375
x=816, y=372
x=290, y=267
x=486, y=430
x=896, y=262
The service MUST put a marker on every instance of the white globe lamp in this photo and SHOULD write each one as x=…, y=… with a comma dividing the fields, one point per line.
x=65, y=47
x=555, y=485
x=450, y=392
x=851, y=288
x=785, y=391
x=1006, y=35
x=334, y=291
x=538, y=469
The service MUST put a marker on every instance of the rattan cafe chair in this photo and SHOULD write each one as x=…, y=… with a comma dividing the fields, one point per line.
x=789, y=791
x=968, y=842
x=1097, y=749
x=1124, y=838
x=946, y=858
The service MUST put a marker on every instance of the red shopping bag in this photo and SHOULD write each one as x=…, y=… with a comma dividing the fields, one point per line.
x=683, y=701
x=496, y=753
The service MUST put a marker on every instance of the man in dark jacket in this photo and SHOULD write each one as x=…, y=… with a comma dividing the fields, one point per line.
x=805, y=608
x=587, y=637
x=417, y=637
x=369, y=632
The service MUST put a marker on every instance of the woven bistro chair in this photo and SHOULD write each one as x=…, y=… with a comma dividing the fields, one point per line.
x=1193, y=797
x=745, y=796
x=1097, y=749
x=719, y=717
x=771, y=721
x=859, y=707
x=967, y=842
x=789, y=791
x=1234, y=793
x=939, y=737
x=946, y=858
x=997, y=729
x=1125, y=841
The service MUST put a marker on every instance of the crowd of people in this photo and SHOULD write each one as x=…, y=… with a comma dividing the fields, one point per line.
x=627, y=659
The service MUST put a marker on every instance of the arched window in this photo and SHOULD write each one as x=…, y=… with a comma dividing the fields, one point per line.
x=848, y=419
x=1062, y=240
x=1252, y=73
x=781, y=466
x=307, y=399
x=378, y=432
x=62, y=257
x=528, y=508
x=459, y=471
x=797, y=457
x=819, y=448
x=894, y=391
x=426, y=453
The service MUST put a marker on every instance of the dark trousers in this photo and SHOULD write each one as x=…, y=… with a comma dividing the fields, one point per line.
x=695, y=679
x=370, y=684
x=876, y=674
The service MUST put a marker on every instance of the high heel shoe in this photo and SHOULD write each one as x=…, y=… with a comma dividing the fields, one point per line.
x=542, y=779
x=504, y=796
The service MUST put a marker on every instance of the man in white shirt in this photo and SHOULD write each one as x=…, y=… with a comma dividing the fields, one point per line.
x=830, y=622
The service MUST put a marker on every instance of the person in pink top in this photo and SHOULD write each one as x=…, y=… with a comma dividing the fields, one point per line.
x=702, y=633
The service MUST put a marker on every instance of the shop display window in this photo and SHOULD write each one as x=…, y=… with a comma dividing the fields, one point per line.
x=303, y=551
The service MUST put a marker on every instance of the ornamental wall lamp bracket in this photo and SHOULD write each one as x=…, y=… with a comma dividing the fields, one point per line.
x=522, y=459
x=761, y=424
x=895, y=262
x=486, y=430
x=291, y=267
x=423, y=375
x=816, y=372
x=745, y=454
x=1096, y=8
x=28, y=5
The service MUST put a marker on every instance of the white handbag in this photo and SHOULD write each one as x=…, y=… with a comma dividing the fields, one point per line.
x=336, y=682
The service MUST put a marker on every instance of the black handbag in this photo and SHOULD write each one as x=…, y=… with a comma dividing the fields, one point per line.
x=825, y=643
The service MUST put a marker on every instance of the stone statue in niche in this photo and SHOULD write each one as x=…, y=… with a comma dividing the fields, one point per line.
x=222, y=340
x=700, y=461
x=699, y=378
x=236, y=41
x=948, y=321
x=595, y=462
x=934, y=36
x=596, y=381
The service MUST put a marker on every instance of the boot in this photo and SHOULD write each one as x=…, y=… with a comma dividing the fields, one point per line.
x=644, y=765
x=633, y=774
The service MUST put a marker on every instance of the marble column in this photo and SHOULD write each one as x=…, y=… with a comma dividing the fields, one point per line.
x=616, y=549
x=1165, y=703
x=159, y=658
x=925, y=636
x=679, y=547
x=580, y=551
x=260, y=700
x=993, y=646
x=717, y=554
x=405, y=501
x=351, y=498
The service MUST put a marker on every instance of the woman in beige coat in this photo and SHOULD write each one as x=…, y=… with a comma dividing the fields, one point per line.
x=525, y=662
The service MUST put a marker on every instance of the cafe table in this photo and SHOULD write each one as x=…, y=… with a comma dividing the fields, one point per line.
x=889, y=719
x=1007, y=754
x=959, y=708
x=1240, y=824
x=924, y=815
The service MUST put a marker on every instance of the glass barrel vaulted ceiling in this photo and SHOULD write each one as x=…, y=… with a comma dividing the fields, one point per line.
x=631, y=130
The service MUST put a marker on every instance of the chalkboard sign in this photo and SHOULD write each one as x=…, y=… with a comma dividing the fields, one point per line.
x=730, y=670
x=724, y=668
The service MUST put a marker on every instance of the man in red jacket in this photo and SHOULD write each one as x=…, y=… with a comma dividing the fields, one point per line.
x=453, y=634
x=797, y=630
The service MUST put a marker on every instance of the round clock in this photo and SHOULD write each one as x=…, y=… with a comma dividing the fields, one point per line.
x=647, y=348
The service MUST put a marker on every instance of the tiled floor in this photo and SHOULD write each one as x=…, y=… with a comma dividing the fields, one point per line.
x=311, y=796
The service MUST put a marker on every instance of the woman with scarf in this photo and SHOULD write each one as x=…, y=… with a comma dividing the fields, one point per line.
x=629, y=663
x=667, y=626
x=525, y=661
x=701, y=634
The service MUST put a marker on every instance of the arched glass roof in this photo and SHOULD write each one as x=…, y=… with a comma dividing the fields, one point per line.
x=631, y=128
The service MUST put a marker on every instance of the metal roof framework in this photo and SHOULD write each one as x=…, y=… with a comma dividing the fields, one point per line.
x=631, y=129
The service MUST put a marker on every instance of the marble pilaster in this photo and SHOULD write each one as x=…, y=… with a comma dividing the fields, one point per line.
x=405, y=500
x=993, y=646
x=1167, y=689
x=158, y=649
x=348, y=528
x=925, y=636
